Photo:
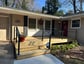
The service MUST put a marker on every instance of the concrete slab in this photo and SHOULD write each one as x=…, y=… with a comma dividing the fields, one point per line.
x=42, y=59
x=6, y=53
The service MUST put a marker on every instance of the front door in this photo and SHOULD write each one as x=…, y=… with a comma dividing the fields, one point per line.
x=4, y=28
x=65, y=28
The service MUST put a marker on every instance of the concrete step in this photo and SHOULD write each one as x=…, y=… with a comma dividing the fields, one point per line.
x=32, y=53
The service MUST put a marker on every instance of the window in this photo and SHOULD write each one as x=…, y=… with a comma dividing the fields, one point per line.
x=32, y=23
x=75, y=23
x=40, y=24
x=47, y=25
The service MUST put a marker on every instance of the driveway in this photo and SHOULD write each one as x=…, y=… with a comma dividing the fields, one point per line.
x=6, y=53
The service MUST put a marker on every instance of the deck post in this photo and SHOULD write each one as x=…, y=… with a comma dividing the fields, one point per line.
x=18, y=44
x=50, y=41
x=43, y=28
x=42, y=33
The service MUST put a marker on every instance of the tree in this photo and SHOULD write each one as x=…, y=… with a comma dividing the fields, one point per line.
x=20, y=4
x=74, y=5
x=77, y=5
x=70, y=12
x=59, y=13
x=51, y=6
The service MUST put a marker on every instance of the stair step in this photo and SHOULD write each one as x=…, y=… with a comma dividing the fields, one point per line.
x=24, y=44
x=32, y=53
x=28, y=49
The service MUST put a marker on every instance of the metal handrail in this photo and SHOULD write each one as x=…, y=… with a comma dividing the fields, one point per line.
x=17, y=37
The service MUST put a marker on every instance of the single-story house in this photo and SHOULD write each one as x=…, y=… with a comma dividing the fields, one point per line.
x=33, y=24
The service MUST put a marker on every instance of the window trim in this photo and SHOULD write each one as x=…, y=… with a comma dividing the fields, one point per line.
x=76, y=27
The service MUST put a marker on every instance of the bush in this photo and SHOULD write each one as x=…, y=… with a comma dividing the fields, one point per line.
x=64, y=47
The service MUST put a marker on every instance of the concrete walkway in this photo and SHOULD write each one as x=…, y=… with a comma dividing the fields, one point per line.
x=6, y=53
x=42, y=59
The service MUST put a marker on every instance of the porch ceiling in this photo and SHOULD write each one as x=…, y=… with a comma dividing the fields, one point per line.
x=28, y=13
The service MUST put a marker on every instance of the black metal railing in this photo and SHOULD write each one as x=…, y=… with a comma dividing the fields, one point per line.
x=17, y=38
x=72, y=34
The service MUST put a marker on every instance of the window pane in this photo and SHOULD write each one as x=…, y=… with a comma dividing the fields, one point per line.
x=47, y=25
x=75, y=23
x=32, y=23
x=40, y=24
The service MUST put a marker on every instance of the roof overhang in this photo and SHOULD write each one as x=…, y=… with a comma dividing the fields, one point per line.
x=73, y=16
x=27, y=13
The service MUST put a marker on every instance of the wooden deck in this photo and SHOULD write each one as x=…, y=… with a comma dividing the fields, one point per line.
x=34, y=46
x=53, y=39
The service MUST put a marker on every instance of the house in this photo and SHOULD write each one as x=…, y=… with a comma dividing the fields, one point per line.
x=32, y=24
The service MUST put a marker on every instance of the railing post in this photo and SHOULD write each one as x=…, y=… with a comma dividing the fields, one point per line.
x=42, y=34
x=50, y=41
x=18, y=44
x=16, y=34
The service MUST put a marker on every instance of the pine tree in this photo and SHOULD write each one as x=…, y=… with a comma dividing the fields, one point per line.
x=51, y=6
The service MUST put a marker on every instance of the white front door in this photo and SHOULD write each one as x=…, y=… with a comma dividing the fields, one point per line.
x=4, y=28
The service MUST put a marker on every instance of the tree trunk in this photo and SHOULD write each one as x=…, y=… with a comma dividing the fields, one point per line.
x=74, y=5
x=81, y=5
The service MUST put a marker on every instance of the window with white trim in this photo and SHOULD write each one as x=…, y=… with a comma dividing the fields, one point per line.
x=32, y=23
x=75, y=23
x=47, y=25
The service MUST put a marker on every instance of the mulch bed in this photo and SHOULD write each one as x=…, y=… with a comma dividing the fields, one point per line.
x=72, y=56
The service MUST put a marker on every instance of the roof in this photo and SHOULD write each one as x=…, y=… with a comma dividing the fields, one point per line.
x=72, y=16
x=33, y=14
x=27, y=13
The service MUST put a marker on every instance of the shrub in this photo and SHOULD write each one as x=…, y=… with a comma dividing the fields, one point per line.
x=64, y=47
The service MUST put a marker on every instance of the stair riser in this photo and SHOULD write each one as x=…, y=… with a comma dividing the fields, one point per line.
x=27, y=49
x=31, y=55
x=31, y=48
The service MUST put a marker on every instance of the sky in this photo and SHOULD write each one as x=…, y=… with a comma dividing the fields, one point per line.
x=40, y=3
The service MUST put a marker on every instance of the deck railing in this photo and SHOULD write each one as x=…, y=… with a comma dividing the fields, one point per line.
x=17, y=38
x=70, y=34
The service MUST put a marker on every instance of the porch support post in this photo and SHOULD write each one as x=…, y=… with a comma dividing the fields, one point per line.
x=10, y=28
x=43, y=30
x=25, y=25
x=50, y=34
x=36, y=23
x=51, y=27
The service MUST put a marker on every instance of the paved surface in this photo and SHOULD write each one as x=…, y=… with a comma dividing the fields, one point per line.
x=6, y=53
x=42, y=59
